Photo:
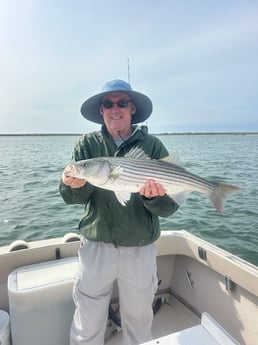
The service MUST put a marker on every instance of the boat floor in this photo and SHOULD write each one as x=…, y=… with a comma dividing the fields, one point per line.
x=172, y=316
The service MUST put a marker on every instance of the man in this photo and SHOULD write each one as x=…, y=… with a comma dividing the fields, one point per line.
x=118, y=241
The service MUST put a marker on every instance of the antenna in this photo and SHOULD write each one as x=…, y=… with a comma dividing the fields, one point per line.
x=128, y=71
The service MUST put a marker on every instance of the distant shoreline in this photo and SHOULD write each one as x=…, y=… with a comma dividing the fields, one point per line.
x=78, y=134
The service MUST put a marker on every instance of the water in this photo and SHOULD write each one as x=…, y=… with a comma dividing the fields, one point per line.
x=31, y=207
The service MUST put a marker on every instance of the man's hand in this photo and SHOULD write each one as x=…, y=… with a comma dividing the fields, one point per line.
x=73, y=182
x=152, y=189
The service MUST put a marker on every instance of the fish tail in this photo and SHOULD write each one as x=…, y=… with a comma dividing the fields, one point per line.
x=219, y=194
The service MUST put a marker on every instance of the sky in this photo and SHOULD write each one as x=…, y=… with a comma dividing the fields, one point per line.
x=196, y=59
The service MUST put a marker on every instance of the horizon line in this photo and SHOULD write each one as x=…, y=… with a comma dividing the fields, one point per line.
x=161, y=133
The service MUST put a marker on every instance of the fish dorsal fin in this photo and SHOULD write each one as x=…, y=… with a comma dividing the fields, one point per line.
x=137, y=153
x=173, y=158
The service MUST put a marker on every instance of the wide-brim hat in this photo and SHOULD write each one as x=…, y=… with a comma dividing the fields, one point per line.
x=90, y=109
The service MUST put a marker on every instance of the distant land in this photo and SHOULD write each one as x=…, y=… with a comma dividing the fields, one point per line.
x=170, y=133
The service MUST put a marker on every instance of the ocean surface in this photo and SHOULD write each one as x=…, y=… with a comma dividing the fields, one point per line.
x=31, y=207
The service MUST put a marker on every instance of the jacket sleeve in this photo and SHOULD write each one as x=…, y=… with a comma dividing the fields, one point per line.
x=161, y=206
x=77, y=195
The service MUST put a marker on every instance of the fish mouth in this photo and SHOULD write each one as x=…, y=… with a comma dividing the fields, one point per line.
x=72, y=171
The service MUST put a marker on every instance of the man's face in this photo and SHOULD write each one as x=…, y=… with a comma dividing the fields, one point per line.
x=117, y=110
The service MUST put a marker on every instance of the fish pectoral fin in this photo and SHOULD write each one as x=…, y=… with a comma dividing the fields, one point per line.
x=116, y=172
x=123, y=197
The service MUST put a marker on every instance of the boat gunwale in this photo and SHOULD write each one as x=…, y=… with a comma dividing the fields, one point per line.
x=174, y=242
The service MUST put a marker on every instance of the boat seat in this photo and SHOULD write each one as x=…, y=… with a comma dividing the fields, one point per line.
x=208, y=332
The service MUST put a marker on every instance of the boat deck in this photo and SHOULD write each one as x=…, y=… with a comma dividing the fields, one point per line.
x=172, y=316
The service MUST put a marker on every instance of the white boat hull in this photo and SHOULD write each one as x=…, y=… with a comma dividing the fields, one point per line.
x=196, y=277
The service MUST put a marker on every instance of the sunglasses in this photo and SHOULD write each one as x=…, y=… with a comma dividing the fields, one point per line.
x=122, y=103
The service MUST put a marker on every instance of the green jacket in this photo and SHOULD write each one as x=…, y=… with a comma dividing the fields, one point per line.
x=105, y=219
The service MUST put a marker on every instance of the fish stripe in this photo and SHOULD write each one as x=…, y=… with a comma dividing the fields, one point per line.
x=136, y=171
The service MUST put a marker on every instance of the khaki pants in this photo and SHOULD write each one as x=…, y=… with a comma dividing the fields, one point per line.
x=100, y=265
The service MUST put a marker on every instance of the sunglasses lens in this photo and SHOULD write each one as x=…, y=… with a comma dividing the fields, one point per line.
x=107, y=104
x=122, y=103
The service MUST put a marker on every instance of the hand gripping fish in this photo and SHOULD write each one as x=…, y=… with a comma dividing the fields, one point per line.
x=126, y=175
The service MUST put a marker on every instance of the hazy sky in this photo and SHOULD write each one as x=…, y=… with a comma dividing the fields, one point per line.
x=196, y=59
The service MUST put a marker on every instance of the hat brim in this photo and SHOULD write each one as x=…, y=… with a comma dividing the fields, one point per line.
x=90, y=109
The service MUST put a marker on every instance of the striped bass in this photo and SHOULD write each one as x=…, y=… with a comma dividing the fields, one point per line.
x=126, y=175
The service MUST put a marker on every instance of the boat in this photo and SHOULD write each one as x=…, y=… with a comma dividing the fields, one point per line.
x=205, y=295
